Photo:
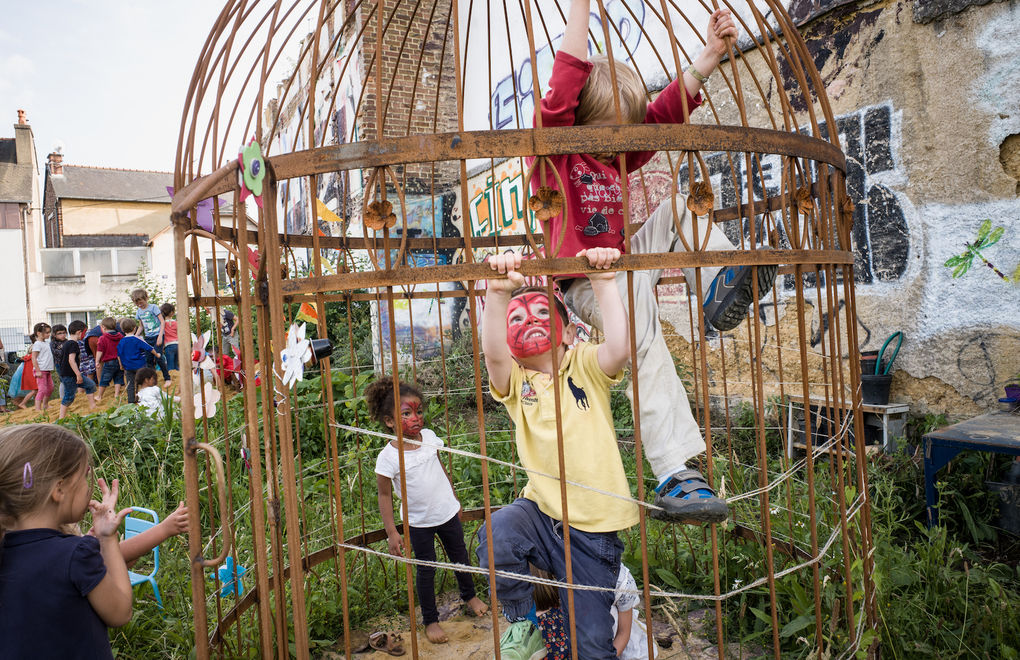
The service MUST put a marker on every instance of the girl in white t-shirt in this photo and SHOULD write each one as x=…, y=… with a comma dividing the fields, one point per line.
x=42, y=365
x=630, y=637
x=432, y=507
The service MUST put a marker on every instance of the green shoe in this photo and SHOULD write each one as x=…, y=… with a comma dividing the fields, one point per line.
x=522, y=641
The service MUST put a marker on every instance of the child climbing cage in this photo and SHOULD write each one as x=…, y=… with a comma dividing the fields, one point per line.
x=388, y=167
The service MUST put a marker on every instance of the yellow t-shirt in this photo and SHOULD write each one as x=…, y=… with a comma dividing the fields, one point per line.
x=591, y=455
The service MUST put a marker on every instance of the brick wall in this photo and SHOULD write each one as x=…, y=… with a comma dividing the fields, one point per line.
x=409, y=96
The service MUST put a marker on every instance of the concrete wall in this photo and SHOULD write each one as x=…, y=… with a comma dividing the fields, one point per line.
x=97, y=217
x=14, y=318
x=931, y=113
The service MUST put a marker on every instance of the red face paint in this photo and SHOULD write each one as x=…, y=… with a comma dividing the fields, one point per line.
x=412, y=419
x=527, y=325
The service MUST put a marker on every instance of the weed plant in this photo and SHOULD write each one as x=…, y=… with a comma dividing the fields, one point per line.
x=951, y=592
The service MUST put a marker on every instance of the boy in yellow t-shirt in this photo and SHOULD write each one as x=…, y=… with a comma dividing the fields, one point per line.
x=521, y=336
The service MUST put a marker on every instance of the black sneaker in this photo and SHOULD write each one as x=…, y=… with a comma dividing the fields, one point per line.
x=687, y=497
x=731, y=292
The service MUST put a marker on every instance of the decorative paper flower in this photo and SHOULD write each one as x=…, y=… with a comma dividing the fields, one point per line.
x=212, y=396
x=298, y=351
x=805, y=202
x=547, y=204
x=702, y=199
x=379, y=215
x=253, y=171
x=230, y=575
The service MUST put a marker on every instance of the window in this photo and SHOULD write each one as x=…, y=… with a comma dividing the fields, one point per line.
x=90, y=317
x=221, y=272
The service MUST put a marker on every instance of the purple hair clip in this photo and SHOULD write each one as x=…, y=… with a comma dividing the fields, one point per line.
x=26, y=476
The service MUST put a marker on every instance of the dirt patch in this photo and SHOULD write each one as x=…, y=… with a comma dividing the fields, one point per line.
x=80, y=405
x=471, y=638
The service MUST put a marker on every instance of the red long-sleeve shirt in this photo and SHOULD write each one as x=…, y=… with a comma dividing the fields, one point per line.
x=593, y=207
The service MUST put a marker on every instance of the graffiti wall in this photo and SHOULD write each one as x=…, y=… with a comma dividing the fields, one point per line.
x=926, y=104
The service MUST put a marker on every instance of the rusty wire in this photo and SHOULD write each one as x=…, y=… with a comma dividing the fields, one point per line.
x=333, y=103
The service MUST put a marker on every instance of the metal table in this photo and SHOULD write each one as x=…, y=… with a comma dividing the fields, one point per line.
x=997, y=432
x=890, y=418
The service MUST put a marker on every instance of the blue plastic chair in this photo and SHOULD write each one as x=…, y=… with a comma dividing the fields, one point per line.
x=133, y=526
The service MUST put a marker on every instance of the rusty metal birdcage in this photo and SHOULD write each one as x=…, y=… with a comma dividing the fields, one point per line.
x=388, y=177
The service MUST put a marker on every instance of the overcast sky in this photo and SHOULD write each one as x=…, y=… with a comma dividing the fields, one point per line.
x=104, y=79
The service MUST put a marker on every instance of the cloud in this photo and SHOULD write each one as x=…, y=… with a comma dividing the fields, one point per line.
x=14, y=69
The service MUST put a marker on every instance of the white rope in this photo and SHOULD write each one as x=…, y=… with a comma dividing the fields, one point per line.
x=461, y=452
x=654, y=591
x=772, y=485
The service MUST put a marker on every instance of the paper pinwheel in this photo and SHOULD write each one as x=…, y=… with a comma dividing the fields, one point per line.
x=298, y=351
x=253, y=171
x=230, y=574
x=212, y=396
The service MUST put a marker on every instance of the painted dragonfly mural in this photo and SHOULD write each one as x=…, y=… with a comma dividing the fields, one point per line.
x=987, y=237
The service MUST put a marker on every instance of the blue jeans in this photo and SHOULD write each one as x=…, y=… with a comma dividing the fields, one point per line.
x=111, y=373
x=71, y=386
x=160, y=361
x=522, y=534
x=170, y=355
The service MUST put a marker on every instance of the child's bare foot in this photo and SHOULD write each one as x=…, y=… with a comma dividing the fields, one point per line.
x=436, y=634
x=477, y=606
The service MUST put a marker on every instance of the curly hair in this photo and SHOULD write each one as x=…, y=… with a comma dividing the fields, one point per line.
x=380, y=397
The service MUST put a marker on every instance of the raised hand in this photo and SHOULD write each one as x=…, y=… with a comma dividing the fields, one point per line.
x=721, y=27
x=505, y=264
x=177, y=522
x=106, y=519
x=601, y=258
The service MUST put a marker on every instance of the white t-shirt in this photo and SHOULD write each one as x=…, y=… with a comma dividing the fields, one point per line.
x=152, y=398
x=625, y=599
x=45, y=360
x=430, y=498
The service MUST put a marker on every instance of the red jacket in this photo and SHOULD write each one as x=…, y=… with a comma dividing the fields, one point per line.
x=108, y=345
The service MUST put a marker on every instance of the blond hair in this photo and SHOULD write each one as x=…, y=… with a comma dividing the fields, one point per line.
x=595, y=101
x=33, y=458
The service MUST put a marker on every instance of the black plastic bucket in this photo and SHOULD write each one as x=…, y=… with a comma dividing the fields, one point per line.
x=868, y=361
x=875, y=388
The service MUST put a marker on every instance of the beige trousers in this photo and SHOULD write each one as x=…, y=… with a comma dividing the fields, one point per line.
x=670, y=435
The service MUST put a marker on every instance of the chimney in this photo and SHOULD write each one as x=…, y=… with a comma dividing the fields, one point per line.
x=55, y=162
x=24, y=141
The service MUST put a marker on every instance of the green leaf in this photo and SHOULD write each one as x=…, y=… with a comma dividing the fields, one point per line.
x=798, y=624
x=668, y=577
x=761, y=616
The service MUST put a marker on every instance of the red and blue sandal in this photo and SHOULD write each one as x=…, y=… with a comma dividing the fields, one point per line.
x=687, y=497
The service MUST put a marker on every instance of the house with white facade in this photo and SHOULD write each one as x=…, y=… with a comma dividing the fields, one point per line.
x=19, y=230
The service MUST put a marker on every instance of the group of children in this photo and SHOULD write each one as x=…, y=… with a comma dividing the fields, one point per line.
x=116, y=351
x=528, y=342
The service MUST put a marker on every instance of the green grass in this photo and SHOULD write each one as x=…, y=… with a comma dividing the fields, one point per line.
x=952, y=592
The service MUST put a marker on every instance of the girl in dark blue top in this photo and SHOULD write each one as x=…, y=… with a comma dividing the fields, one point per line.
x=58, y=592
